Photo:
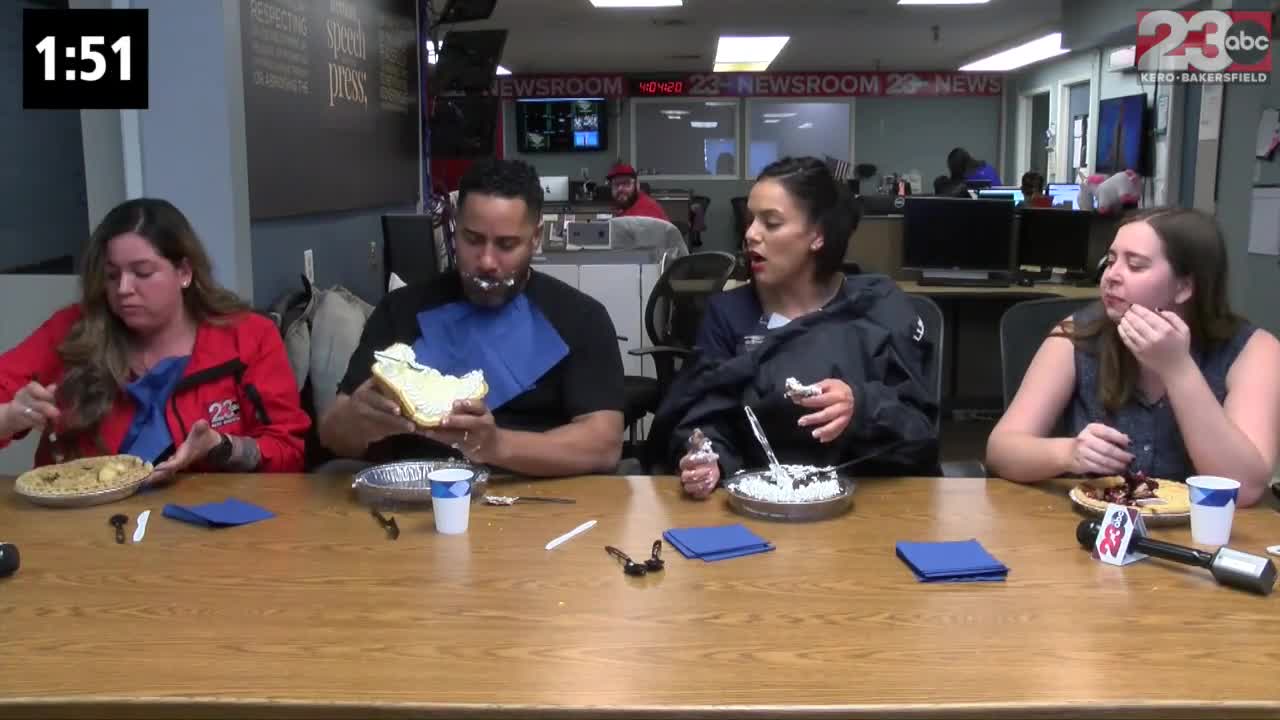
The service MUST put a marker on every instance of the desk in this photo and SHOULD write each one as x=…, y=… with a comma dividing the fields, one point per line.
x=1012, y=292
x=316, y=613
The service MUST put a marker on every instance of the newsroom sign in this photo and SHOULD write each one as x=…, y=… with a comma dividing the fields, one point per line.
x=814, y=84
x=1204, y=46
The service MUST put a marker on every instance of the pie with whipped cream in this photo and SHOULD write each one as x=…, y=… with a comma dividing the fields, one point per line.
x=425, y=394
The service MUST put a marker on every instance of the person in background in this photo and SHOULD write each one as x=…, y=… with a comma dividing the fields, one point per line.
x=1033, y=191
x=857, y=339
x=1160, y=377
x=964, y=167
x=628, y=199
x=156, y=360
x=549, y=352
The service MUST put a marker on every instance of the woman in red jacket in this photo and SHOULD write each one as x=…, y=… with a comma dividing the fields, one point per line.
x=156, y=361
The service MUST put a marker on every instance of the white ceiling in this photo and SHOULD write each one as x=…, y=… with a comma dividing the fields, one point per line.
x=572, y=36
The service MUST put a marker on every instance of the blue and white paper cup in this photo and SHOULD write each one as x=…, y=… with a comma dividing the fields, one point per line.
x=1213, y=505
x=451, y=499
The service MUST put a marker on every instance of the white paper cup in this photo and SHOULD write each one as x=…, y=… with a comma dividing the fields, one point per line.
x=1213, y=505
x=451, y=499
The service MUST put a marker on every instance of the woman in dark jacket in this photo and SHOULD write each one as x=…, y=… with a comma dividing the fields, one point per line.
x=856, y=340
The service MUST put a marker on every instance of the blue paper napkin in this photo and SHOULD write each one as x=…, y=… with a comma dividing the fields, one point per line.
x=228, y=513
x=964, y=561
x=716, y=543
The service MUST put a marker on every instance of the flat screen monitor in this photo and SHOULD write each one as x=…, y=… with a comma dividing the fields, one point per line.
x=957, y=234
x=1011, y=194
x=463, y=126
x=468, y=60
x=409, y=248
x=555, y=188
x=1054, y=238
x=881, y=204
x=1064, y=194
x=562, y=125
x=1122, y=135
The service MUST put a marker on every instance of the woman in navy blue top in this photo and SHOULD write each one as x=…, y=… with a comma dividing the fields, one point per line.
x=858, y=341
x=1160, y=377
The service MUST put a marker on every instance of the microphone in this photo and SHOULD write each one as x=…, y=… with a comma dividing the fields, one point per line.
x=9, y=559
x=1229, y=567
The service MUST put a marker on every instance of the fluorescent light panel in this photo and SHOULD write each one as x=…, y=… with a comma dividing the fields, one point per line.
x=736, y=53
x=704, y=124
x=943, y=2
x=1025, y=54
x=636, y=3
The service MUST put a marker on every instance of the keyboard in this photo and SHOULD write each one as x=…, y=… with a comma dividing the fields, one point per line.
x=963, y=282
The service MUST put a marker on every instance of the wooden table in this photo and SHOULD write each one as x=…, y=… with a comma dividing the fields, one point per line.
x=316, y=613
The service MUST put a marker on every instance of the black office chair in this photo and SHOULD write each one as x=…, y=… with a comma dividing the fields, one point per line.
x=1023, y=328
x=741, y=219
x=698, y=206
x=935, y=331
x=672, y=316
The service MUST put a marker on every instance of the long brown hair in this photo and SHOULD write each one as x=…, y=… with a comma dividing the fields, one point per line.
x=1194, y=246
x=95, y=351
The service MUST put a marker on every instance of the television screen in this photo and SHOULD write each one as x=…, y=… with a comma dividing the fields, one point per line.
x=562, y=125
x=1122, y=134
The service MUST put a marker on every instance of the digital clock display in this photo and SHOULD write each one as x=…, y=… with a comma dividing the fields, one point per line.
x=668, y=86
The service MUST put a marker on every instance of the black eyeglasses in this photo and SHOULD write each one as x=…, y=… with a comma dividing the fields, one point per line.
x=393, y=530
x=635, y=569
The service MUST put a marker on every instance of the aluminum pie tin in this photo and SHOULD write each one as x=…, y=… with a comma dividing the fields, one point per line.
x=405, y=482
x=807, y=511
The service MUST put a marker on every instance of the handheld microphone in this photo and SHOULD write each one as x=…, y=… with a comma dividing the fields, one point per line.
x=9, y=559
x=1229, y=567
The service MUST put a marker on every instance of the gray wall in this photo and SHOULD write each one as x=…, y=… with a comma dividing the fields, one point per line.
x=347, y=249
x=43, y=206
x=1094, y=23
x=1042, y=76
x=192, y=135
x=903, y=134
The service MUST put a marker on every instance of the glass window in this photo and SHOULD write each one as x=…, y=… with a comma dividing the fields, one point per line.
x=778, y=128
x=685, y=138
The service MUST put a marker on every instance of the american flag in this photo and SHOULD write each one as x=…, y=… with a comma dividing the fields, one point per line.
x=843, y=170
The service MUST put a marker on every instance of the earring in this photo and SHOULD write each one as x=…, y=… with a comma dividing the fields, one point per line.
x=186, y=284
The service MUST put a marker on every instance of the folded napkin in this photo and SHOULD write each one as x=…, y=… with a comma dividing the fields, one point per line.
x=716, y=543
x=964, y=561
x=228, y=513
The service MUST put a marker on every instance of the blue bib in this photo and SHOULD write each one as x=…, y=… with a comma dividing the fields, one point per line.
x=148, y=436
x=514, y=345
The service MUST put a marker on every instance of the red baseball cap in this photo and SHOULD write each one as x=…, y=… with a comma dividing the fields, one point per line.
x=619, y=170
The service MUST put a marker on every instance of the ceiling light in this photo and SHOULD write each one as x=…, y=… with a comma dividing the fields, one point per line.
x=502, y=71
x=771, y=120
x=778, y=115
x=747, y=54
x=637, y=3
x=720, y=103
x=1034, y=51
x=674, y=113
x=703, y=124
x=943, y=2
x=804, y=126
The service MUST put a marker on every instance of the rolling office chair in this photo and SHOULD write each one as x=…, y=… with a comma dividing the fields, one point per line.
x=672, y=316
x=935, y=331
x=1022, y=328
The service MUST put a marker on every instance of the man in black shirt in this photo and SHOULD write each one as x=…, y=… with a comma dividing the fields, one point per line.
x=494, y=312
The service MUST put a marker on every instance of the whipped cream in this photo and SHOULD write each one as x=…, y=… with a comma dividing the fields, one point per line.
x=431, y=392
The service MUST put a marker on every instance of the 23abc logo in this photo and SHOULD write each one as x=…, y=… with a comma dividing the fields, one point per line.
x=1240, y=39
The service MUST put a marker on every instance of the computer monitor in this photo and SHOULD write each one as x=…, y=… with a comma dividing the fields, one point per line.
x=1054, y=238
x=976, y=184
x=409, y=248
x=1064, y=193
x=1011, y=194
x=555, y=189
x=881, y=204
x=592, y=235
x=957, y=234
